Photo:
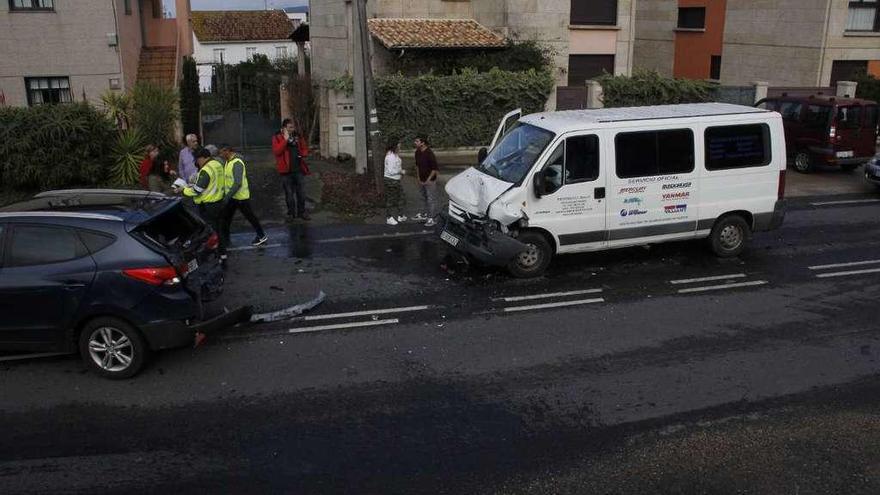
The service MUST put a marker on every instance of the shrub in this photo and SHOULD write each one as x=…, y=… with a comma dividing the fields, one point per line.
x=155, y=113
x=868, y=88
x=190, y=97
x=518, y=56
x=54, y=146
x=349, y=194
x=648, y=87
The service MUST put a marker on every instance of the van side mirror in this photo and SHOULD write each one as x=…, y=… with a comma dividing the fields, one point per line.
x=539, y=184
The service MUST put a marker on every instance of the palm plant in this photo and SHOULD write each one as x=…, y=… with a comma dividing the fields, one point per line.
x=155, y=113
x=118, y=108
x=126, y=156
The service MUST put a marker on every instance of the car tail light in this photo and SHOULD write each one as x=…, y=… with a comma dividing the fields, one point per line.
x=832, y=134
x=165, y=275
x=213, y=242
x=780, y=191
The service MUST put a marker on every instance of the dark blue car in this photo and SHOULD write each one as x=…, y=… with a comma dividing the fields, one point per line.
x=110, y=274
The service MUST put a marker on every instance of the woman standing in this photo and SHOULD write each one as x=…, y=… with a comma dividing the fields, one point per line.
x=147, y=165
x=161, y=177
x=394, y=199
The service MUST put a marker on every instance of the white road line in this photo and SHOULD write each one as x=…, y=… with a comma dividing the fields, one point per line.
x=722, y=287
x=407, y=309
x=842, y=265
x=344, y=325
x=707, y=279
x=553, y=305
x=248, y=248
x=846, y=274
x=846, y=202
x=377, y=236
x=546, y=296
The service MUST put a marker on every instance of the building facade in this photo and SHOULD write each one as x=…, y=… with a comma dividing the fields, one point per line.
x=798, y=43
x=587, y=38
x=56, y=51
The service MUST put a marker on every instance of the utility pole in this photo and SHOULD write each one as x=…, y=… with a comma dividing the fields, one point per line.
x=360, y=103
x=375, y=137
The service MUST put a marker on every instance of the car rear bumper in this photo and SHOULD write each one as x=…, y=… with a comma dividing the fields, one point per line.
x=486, y=245
x=829, y=156
x=872, y=173
x=176, y=333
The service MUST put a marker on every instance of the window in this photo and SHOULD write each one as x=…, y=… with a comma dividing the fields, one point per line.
x=790, y=110
x=250, y=51
x=127, y=7
x=598, y=12
x=39, y=245
x=95, y=241
x=864, y=15
x=870, y=117
x=847, y=70
x=768, y=104
x=47, y=5
x=737, y=146
x=157, y=8
x=816, y=117
x=582, y=68
x=280, y=52
x=642, y=154
x=692, y=18
x=47, y=90
x=849, y=117
x=219, y=55
x=575, y=160
x=715, y=68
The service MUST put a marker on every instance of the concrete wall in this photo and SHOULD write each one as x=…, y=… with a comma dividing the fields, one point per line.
x=655, y=35
x=843, y=45
x=72, y=41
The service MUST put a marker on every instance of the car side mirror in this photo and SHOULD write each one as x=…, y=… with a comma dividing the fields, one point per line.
x=538, y=184
x=481, y=155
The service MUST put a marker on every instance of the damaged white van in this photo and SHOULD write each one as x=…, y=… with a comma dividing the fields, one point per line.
x=588, y=180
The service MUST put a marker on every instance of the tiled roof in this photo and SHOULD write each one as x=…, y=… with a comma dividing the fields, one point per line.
x=157, y=65
x=240, y=25
x=433, y=33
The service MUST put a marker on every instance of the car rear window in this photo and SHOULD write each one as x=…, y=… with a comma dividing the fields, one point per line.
x=817, y=117
x=849, y=117
x=172, y=228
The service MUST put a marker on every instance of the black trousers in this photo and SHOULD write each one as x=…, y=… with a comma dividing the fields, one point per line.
x=212, y=214
x=294, y=193
x=244, y=206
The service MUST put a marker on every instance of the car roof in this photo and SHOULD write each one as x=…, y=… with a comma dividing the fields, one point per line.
x=132, y=207
x=573, y=120
x=824, y=100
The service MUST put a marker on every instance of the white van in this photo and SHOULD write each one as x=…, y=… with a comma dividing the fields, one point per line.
x=589, y=180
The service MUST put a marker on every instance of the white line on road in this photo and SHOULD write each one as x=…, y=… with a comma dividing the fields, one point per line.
x=842, y=265
x=407, y=309
x=846, y=202
x=248, y=248
x=722, y=287
x=546, y=296
x=377, y=236
x=553, y=305
x=707, y=279
x=344, y=325
x=846, y=274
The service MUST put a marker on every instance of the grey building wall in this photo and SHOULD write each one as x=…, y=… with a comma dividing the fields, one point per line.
x=655, y=35
x=72, y=41
x=843, y=45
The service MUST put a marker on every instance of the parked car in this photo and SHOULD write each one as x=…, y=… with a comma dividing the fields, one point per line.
x=590, y=180
x=872, y=170
x=827, y=130
x=110, y=274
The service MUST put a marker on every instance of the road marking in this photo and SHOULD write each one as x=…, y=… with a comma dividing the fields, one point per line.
x=722, y=287
x=396, y=235
x=846, y=202
x=546, y=296
x=407, y=309
x=248, y=248
x=842, y=265
x=344, y=325
x=846, y=274
x=553, y=305
x=706, y=279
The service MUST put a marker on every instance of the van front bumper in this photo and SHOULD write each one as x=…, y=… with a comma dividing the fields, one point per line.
x=480, y=241
x=771, y=221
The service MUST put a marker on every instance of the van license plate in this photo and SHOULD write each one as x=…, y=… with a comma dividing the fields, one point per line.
x=844, y=154
x=451, y=239
x=192, y=266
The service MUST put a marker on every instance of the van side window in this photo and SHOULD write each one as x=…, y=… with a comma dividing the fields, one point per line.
x=849, y=117
x=817, y=117
x=870, y=117
x=790, y=110
x=581, y=159
x=737, y=146
x=642, y=154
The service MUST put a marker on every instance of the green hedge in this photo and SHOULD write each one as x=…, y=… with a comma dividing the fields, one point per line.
x=646, y=87
x=462, y=109
x=868, y=88
x=54, y=146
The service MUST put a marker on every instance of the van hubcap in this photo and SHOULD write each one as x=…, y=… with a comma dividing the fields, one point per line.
x=110, y=349
x=530, y=257
x=731, y=237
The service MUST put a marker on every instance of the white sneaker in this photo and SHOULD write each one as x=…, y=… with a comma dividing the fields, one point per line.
x=391, y=221
x=430, y=223
x=401, y=218
x=420, y=216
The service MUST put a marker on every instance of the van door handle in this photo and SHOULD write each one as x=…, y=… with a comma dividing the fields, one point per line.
x=599, y=193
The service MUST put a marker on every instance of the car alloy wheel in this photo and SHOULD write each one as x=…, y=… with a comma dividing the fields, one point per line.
x=110, y=349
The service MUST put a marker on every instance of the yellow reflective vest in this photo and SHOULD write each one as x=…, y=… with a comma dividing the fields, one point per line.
x=216, y=187
x=243, y=191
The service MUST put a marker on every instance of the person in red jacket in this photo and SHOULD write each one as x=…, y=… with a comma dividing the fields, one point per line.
x=147, y=165
x=290, y=149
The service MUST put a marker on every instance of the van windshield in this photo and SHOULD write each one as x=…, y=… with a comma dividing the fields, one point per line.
x=514, y=155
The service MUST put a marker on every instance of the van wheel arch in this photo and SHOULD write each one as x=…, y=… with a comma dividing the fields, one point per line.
x=534, y=261
x=547, y=235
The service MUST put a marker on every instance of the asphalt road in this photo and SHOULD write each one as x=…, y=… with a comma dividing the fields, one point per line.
x=618, y=372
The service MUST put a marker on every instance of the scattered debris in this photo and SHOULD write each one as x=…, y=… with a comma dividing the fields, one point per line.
x=287, y=313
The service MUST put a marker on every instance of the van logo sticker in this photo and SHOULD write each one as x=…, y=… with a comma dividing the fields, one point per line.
x=632, y=190
x=676, y=195
x=677, y=185
x=633, y=201
x=632, y=213
x=675, y=208
x=652, y=179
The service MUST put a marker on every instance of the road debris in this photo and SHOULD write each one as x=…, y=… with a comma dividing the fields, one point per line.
x=287, y=313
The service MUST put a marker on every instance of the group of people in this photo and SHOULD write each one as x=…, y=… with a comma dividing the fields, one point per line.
x=427, y=171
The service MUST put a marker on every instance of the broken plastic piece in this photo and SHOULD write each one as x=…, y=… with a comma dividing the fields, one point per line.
x=287, y=313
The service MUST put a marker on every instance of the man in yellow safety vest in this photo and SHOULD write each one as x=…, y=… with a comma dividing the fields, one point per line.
x=208, y=193
x=238, y=196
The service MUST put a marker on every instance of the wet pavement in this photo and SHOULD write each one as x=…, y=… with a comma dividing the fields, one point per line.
x=644, y=370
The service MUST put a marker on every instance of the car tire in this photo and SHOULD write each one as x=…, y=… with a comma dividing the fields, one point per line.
x=849, y=167
x=535, y=260
x=112, y=348
x=803, y=162
x=729, y=236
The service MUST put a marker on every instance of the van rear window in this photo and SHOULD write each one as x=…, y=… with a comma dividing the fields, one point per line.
x=849, y=117
x=737, y=146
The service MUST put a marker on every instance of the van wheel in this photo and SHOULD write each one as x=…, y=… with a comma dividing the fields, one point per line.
x=803, y=163
x=729, y=236
x=112, y=348
x=534, y=260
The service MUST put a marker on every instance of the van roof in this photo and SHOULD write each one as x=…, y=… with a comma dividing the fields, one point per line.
x=572, y=120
